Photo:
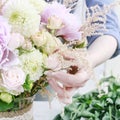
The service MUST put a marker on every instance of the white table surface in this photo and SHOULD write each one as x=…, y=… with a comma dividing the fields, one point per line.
x=43, y=111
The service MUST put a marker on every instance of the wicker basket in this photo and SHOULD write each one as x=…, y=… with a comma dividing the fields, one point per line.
x=23, y=110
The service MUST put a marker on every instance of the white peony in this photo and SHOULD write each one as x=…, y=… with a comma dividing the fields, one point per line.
x=32, y=64
x=22, y=16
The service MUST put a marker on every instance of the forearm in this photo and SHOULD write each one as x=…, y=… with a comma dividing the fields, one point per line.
x=102, y=49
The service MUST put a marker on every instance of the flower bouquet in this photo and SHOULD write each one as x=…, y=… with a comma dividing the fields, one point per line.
x=36, y=39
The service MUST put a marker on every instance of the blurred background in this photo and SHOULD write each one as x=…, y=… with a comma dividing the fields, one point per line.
x=113, y=65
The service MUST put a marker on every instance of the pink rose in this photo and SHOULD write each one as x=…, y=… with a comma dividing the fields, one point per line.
x=13, y=78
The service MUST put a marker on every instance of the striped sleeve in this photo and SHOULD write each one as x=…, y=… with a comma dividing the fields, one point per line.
x=112, y=24
x=71, y=4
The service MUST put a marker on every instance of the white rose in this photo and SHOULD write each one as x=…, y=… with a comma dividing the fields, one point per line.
x=40, y=38
x=13, y=78
x=46, y=41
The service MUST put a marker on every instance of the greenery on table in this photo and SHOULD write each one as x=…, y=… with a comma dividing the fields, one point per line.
x=96, y=105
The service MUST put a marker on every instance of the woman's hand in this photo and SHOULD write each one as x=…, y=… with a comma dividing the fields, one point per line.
x=65, y=84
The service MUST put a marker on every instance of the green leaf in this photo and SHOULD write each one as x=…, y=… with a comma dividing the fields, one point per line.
x=58, y=117
x=81, y=45
x=97, y=105
x=28, y=84
x=110, y=94
x=87, y=114
x=117, y=102
x=22, y=51
x=5, y=106
x=118, y=91
x=106, y=117
x=109, y=100
x=117, y=114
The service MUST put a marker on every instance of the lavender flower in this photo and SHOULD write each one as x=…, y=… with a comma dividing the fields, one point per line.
x=6, y=56
x=4, y=31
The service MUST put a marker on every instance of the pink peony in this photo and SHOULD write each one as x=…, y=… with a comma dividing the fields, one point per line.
x=70, y=31
x=54, y=9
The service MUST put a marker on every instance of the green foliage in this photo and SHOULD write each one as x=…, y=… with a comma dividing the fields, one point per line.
x=5, y=106
x=80, y=45
x=21, y=51
x=28, y=84
x=96, y=105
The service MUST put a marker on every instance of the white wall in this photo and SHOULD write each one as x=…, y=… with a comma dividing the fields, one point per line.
x=113, y=66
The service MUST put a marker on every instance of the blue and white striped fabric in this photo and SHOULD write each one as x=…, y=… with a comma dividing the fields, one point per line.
x=69, y=3
x=112, y=23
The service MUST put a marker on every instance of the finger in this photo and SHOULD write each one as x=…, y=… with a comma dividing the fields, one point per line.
x=56, y=87
x=64, y=94
x=70, y=80
x=70, y=91
x=62, y=77
x=60, y=89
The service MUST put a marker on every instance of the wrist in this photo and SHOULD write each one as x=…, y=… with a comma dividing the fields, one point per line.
x=91, y=60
